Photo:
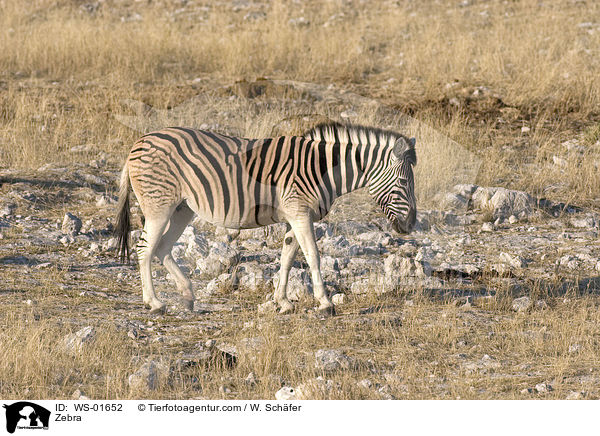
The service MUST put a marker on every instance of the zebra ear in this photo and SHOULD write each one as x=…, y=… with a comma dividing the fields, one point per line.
x=405, y=149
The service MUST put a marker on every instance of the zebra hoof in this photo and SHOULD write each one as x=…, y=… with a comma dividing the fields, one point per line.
x=286, y=308
x=160, y=309
x=188, y=304
x=326, y=311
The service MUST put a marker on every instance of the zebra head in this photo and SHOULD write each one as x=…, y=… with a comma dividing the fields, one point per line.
x=394, y=187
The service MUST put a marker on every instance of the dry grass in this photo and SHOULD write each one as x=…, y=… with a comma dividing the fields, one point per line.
x=437, y=351
x=66, y=72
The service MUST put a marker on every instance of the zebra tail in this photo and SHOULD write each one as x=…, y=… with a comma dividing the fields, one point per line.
x=123, y=225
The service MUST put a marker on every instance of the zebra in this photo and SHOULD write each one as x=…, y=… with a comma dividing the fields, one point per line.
x=241, y=183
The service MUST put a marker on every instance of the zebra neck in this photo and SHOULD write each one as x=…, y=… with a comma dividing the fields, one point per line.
x=371, y=161
x=354, y=166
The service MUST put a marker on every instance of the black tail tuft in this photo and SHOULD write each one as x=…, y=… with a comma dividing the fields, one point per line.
x=123, y=225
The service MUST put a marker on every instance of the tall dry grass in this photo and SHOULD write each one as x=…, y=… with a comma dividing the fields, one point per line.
x=65, y=71
x=529, y=51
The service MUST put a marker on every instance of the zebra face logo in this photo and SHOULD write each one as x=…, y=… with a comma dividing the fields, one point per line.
x=399, y=202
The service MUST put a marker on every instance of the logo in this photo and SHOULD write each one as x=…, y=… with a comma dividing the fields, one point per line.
x=26, y=415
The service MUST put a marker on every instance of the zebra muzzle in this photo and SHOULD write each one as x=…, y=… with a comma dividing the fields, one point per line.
x=407, y=225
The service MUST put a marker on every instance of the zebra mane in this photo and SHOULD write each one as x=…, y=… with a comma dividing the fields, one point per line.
x=352, y=134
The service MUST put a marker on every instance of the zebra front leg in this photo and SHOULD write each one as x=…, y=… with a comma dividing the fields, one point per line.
x=288, y=254
x=146, y=248
x=305, y=234
x=179, y=220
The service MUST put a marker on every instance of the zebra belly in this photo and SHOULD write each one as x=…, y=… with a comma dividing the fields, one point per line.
x=253, y=217
x=265, y=218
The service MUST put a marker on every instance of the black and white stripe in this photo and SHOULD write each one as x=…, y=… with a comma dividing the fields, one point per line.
x=244, y=183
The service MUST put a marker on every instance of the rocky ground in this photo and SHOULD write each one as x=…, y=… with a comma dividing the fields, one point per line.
x=489, y=261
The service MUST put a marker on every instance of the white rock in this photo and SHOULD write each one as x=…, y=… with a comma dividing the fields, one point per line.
x=360, y=267
x=7, y=210
x=464, y=190
x=74, y=343
x=66, y=240
x=332, y=360
x=374, y=238
x=365, y=383
x=111, y=244
x=584, y=257
x=217, y=283
x=71, y=224
x=425, y=255
x=267, y=307
x=514, y=261
x=79, y=395
x=335, y=246
x=221, y=259
x=397, y=268
x=454, y=202
x=149, y=376
x=286, y=393
x=373, y=284
x=323, y=230
x=253, y=276
x=315, y=388
x=252, y=345
x=331, y=267
x=338, y=298
x=543, y=388
x=501, y=268
x=503, y=202
x=569, y=262
x=250, y=379
x=587, y=222
x=102, y=201
x=521, y=304
x=361, y=286
x=575, y=395
x=487, y=227
x=299, y=284
x=196, y=244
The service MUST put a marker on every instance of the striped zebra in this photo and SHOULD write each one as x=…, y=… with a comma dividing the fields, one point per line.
x=246, y=183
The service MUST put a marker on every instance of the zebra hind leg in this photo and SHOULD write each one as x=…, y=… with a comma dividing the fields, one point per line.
x=154, y=227
x=288, y=254
x=305, y=233
x=179, y=220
